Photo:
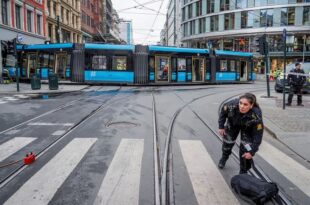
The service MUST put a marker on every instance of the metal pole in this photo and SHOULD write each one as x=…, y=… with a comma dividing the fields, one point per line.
x=267, y=74
x=16, y=63
x=303, y=49
x=284, y=69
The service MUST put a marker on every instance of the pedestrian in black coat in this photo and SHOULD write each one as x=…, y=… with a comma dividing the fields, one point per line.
x=296, y=82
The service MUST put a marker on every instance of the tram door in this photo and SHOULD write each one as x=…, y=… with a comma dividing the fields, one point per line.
x=60, y=65
x=162, y=68
x=31, y=64
x=243, y=71
x=198, y=69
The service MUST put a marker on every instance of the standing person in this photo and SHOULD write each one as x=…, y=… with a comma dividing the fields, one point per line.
x=242, y=115
x=296, y=82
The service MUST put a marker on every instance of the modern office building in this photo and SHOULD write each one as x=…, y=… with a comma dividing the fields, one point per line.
x=236, y=24
x=125, y=27
x=174, y=15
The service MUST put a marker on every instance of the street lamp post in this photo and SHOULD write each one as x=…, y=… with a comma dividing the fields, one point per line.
x=284, y=69
x=58, y=30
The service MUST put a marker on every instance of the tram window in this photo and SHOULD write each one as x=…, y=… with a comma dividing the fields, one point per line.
x=52, y=61
x=181, y=64
x=43, y=62
x=173, y=64
x=232, y=65
x=152, y=64
x=119, y=63
x=223, y=65
x=99, y=63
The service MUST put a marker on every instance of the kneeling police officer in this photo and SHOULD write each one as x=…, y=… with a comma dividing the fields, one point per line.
x=245, y=116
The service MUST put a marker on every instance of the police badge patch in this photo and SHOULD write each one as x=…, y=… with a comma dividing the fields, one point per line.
x=259, y=127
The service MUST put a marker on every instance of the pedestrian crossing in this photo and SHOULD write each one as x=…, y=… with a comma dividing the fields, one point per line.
x=121, y=183
x=13, y=98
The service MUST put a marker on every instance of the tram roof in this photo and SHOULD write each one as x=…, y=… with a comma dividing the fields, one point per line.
x=109, y=47
x=178, y=50
x=233, y=53
x=45, y=46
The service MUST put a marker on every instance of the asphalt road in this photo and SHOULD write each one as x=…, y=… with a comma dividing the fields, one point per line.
x=96, y=147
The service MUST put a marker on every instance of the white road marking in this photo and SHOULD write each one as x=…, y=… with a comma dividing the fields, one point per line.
x=42, y=186
x=21, y=96
x=2, y=102
x=208, y=183
x=11, y=132
x=10, y=98
x=288, y=167
x=50, y=124
x=59, y=132
x=10, y=147
x=121, y=183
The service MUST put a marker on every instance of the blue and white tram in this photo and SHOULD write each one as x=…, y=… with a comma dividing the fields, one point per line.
x=40, y=59
x=108, y=63
x=128, y=64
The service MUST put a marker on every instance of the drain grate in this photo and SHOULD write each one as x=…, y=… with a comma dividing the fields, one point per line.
x=122, y=124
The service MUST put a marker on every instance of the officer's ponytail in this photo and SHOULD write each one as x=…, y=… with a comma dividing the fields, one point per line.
x=251, y=98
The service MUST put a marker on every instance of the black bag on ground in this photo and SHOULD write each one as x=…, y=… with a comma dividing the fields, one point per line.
x=259, y=191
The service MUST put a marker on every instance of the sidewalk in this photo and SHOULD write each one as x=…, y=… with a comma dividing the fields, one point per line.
x=290, y=126
x=25, y=88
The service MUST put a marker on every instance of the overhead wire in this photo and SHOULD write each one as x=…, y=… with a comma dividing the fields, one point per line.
x=154, y=21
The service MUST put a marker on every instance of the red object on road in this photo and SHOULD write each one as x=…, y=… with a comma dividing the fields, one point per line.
x=29, y=158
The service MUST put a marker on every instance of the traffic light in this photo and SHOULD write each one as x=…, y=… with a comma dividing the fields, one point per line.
x=262, y=45
x=11, y=49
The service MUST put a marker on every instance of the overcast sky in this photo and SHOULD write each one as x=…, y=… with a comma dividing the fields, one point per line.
x=146, y=23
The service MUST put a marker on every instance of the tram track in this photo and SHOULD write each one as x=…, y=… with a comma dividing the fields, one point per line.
x=165, y=177
x=6, y=179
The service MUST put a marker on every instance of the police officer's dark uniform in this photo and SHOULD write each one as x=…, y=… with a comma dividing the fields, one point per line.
x=251, y=126
x=296, y=82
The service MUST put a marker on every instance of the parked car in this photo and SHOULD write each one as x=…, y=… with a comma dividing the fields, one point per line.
x=279, y=81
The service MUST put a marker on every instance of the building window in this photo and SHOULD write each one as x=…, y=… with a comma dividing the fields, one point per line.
x=50, y=35
x=29, y=20
x=18, y=16
x=224, y=5
x=4, y=8
x=241, y=4
x=263, y=18
x=39, y=24
x=190, y=11
x=229, y=21
x=247, y=19
x=291, y=16
x=306, y=16
x=210, y=6
x=284, y=17
x=269, y=18
x=198, y=8
x=202, y=25
x=214, y=23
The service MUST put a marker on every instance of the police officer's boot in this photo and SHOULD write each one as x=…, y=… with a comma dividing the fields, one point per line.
x=222, y=162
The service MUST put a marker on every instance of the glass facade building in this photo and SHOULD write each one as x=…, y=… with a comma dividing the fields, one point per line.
x=236, y=24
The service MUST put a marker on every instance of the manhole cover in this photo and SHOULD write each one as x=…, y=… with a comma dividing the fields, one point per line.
x=122, y=124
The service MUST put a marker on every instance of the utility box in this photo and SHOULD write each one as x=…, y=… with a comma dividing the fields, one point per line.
x=53, y=81
x=35, y=82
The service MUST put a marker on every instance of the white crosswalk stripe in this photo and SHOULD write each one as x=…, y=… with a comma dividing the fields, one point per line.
x=288, y=167
x=208, y=183
x=10, y=147
x=8, y=99
x=42, y=186
x=121, y=183
x=11, y=132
